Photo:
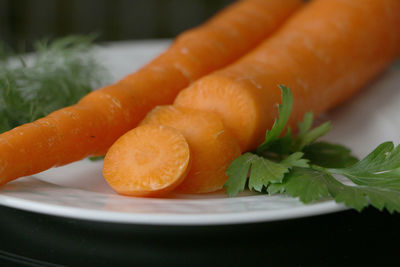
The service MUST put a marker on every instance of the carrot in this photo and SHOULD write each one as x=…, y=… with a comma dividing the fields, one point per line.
x=91, y=126
x=135, y=165
x=212, y=147
x=325, y=53
x=320, y=53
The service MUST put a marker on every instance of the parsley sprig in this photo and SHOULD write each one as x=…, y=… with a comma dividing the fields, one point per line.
x=300, y=166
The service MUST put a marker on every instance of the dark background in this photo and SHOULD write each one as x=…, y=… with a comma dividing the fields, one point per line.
x=23, y=21
x=348, y=238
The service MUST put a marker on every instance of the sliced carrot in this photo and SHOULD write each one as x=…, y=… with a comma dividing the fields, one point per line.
x=320, y=54
x=149, y=160
x=325, y=53
x=313, y=54
x=212, y=147
x=106, y=114
x=239, y=109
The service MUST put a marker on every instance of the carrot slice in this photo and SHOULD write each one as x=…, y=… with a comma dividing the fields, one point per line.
x=149, y=160
x=238, y=107
x=320, y=53
x=106, y=114
x=212, y=147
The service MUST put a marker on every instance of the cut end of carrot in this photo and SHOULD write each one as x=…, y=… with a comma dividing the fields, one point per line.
x=212, y=146
x=237, y=106
x=150, y=160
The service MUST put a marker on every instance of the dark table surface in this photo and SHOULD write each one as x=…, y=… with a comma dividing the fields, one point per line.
x=370, y=238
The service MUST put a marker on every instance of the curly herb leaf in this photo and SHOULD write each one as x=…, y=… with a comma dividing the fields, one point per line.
x=300, y=167
x=317, y=184
x=238, y=172
x=284, y=111
x=380, y=168
x=329, y=155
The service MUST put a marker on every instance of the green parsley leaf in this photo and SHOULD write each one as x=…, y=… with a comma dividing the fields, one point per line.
x=300, y=167
x=329, y=155
x=305, y=183
x=260, y=172
x=315, y=184
x=284, y=111
x=312, y=135
x=264, y=171
x=283, y=146
x=238, y=172
x=295, y=160
x=380, y=168
x=305, y=125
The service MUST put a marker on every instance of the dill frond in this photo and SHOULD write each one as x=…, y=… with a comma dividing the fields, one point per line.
x=56, y=75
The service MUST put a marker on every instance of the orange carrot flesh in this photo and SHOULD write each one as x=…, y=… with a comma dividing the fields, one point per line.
x=321, y=69
x=221, y=96
x=149, y=160
x=212, y=147
x=110, y=112
x=325, y=53
x=238, y=27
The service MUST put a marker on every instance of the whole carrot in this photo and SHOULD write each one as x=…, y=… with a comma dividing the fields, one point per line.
x=325, y=53
x=91, y=126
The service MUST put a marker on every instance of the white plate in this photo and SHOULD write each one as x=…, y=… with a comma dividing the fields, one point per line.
x=79, y=191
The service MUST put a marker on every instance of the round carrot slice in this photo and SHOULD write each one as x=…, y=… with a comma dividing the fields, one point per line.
x=149, y=160
x=212, y=146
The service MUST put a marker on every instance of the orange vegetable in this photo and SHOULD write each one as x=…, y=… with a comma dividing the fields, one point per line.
x=320, y=53
x=91, y=126
x=212, y=147
x=147, y=161
x=325, y=53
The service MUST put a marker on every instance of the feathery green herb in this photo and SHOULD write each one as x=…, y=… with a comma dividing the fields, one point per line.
x=298, y=166
x=56, y=75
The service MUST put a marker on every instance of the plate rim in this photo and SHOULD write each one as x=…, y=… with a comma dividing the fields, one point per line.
x=174, y=219
x=171, y=219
